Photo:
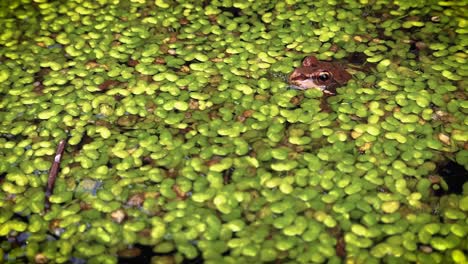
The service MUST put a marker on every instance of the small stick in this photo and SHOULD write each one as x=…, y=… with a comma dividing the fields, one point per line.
x=53, y=172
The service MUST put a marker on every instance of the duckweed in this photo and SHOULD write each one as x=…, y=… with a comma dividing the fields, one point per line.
x=183, y=134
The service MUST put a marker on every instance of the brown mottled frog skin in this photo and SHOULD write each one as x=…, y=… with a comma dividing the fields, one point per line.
x=315, y=74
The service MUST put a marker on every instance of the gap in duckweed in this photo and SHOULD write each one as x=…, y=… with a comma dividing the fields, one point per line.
x=455, y=175
x=187, y=145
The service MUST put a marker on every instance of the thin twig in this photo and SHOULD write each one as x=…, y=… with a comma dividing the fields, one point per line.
x=53, y=172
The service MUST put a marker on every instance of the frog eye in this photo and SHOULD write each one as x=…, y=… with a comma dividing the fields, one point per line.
x=324, y=76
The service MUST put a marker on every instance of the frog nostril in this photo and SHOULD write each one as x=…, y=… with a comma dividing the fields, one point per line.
x=299, y=76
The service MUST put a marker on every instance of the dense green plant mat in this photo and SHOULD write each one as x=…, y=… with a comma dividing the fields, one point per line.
x=183, y=135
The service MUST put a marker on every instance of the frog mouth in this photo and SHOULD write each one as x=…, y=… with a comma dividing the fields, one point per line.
x=295, y=87
x=307, y=84
x=322, y=88
x=310, y=83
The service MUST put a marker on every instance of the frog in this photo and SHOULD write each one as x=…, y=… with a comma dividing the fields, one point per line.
x=315, y=74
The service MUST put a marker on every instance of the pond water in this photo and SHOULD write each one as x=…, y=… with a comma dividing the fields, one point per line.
x=233, y=131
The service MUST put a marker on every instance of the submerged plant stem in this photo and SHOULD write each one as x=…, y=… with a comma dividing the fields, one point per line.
x=54, y=171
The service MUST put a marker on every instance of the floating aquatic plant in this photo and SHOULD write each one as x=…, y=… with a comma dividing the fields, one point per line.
x=184, y=137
